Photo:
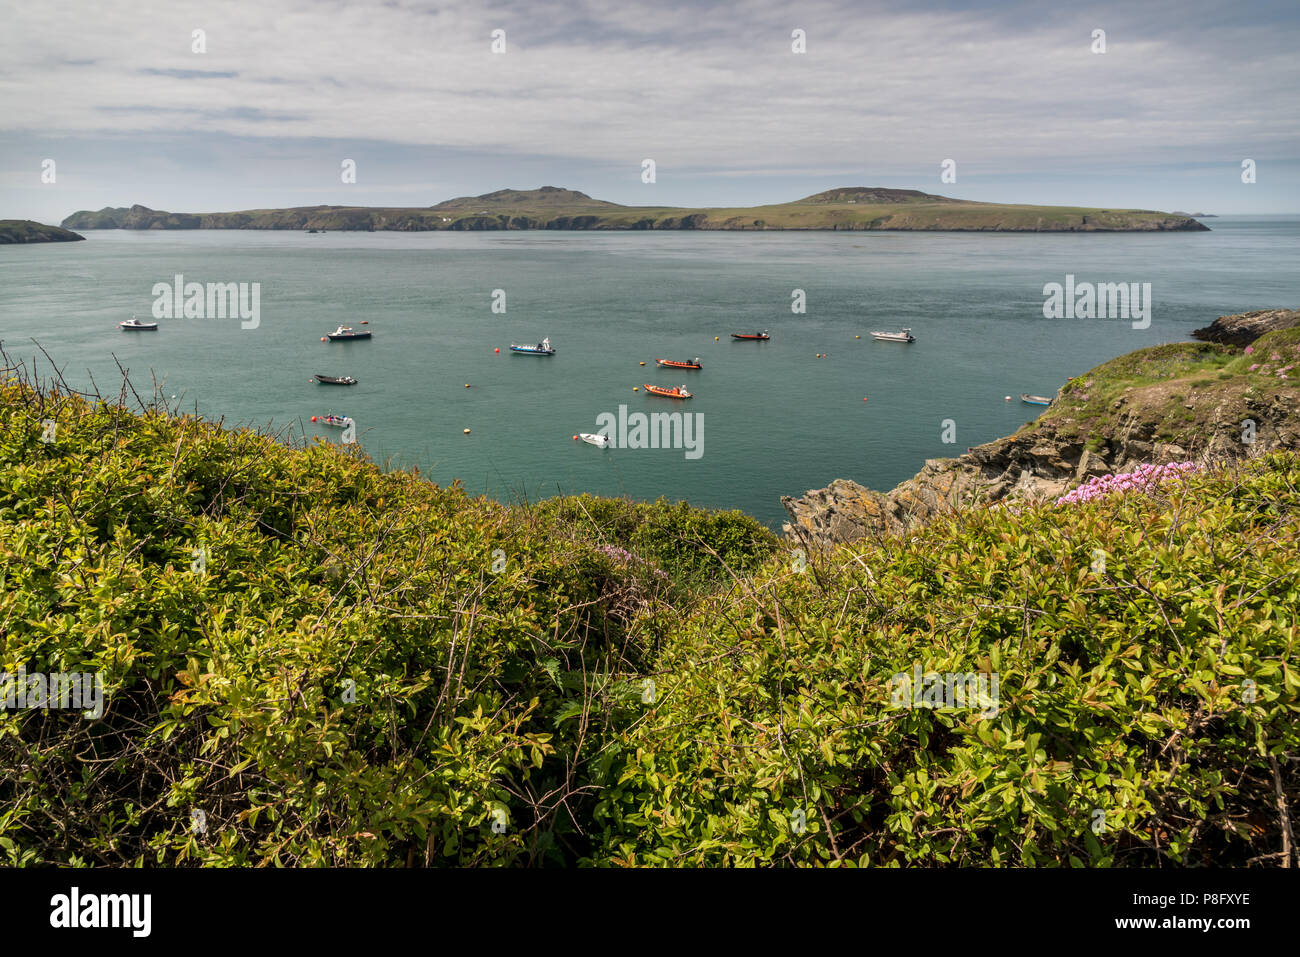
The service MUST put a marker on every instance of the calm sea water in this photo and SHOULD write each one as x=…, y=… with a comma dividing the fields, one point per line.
x=777, y=419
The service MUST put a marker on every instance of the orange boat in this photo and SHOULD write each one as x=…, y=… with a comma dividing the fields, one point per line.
x=674, y=364
x=678, y=393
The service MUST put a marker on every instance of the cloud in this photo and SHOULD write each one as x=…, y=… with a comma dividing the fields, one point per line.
x=694, y=86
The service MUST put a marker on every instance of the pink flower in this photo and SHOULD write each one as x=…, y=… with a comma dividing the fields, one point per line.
x=1249, y=349
x=1254, y=367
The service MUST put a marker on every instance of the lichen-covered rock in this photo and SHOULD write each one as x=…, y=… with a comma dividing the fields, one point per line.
x=1244, y=328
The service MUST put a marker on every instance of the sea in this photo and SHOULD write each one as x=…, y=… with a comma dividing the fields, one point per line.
x=819, y=400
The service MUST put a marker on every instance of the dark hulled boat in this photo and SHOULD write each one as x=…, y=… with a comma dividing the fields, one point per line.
x=335, y=379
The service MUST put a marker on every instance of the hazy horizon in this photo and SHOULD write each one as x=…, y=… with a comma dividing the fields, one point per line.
x=263, y=116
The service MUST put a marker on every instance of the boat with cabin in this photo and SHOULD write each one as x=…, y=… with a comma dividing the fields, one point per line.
x=903, y=335
x=136, y=325
x=345, y=333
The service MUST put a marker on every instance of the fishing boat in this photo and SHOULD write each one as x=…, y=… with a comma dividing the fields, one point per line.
x=677, y=393
x=335, y=379
x=342, y=421
x=347, y=332
x=543, y=348
x=760, y=336
x=596, y=439
x=904, y=335
x=1035, y=399
x=675, y=364
x=135, y=324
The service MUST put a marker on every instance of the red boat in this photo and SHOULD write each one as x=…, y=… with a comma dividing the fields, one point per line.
x=751, y=335
x=674, y=364
x=678, y=393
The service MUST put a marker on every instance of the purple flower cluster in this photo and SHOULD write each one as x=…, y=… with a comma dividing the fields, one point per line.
x=623, y=555
x=1143, y=479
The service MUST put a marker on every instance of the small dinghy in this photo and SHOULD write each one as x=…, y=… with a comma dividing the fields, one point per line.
x=904, y=335
x=1035, y=399
x=596, y=439
x=343, y=333
x=335, y=379
x=677, y=393
x=675, y=364
x=543, y=348
x=134, y=324
x=759, y=336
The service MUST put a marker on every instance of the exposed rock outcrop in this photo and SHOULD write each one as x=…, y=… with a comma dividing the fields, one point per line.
x=1246, y=327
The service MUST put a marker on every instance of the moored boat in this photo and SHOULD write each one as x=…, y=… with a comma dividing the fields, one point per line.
x=676, y=364
x=1035, y=399
x=760, y=336
x=904, y=335
x=543, y=348
x=137, y=325
x=343, y=333
x=594, y=438
x=677, y=393
x=342, y=421
x=335, y=379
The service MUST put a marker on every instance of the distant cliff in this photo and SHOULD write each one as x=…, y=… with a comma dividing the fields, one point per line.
x=27, y=231
x=550, y=207
x=1162, y=404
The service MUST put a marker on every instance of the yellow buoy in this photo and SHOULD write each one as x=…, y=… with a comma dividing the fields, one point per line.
x=467, y=431
x=643, y=363
x=635, y=389
x=467, y=385
x=857, y=337
x=715, y=338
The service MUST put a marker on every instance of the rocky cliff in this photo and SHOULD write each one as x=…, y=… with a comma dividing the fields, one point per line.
x=1244, y=328
x=1163, y=404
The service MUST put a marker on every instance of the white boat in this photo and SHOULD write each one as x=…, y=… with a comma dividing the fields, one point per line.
x=136, y=324
x=601, y=441
x=904, y=335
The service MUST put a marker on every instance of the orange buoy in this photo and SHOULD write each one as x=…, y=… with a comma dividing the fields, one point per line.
x=365, y=322
x=496, y=350
x=313, y=418
x=575, y=438
x=322, y=338
x=864, y=398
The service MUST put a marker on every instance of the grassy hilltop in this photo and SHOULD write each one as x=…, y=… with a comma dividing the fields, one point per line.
x=852, y=208
x=341, y=665
x=28, y=231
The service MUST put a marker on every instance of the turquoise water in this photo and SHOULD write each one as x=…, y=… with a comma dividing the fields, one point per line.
x=777, y=420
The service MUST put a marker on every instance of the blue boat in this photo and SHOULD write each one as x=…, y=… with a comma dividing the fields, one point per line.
x=1035, y=399
x=543, y=348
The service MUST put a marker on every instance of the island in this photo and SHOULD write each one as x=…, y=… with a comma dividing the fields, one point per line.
x=552, y=207
x=27, y=231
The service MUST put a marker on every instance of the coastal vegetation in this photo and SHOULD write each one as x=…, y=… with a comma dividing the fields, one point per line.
x=550, y=207
x=309, y=660
x=27, y=231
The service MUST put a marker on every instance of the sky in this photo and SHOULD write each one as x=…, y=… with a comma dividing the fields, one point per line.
x=1017, y=95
